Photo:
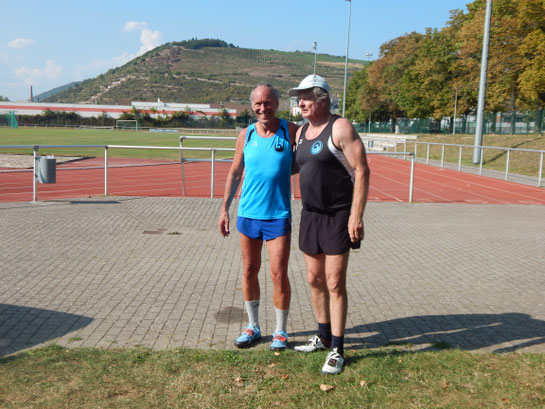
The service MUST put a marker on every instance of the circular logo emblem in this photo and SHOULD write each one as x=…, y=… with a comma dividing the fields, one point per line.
x=316, y=148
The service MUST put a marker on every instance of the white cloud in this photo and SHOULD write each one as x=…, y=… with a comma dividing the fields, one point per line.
x=150, y=40
x=20, y=43
x=50, y=72
x=135, y=25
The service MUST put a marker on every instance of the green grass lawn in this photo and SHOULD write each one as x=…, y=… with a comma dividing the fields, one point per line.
x=389, y=378
x=71, y=136
x=523, y=163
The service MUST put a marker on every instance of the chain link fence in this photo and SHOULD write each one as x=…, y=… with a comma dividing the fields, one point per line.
x=500, y=123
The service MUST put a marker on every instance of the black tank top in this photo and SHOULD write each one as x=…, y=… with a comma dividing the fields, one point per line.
x=326, y=179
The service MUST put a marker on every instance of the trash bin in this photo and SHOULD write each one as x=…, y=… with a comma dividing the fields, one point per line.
x=46, y=169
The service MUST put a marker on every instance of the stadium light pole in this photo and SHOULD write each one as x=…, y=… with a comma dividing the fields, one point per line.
x=455, y=108
x=477, y=151
x=314, y=47
x=369, y=55
x=346, y=59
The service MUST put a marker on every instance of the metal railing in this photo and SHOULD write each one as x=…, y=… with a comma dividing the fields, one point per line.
x=181, y=148
x=411, y=181
x=386, y=143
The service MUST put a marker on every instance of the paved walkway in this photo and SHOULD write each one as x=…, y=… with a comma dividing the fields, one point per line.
x=119, y=271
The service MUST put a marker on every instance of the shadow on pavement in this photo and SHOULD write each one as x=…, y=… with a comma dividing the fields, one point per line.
x=24, y=327
x=509, y=332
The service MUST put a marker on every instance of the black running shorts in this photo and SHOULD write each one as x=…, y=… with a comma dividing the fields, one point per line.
x=324, y=233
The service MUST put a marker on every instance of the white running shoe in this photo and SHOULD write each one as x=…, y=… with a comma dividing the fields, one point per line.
x=333, y=363
x=313, y=344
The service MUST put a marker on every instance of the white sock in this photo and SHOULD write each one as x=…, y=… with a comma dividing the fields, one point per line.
x=281, y=319
x=252, y=308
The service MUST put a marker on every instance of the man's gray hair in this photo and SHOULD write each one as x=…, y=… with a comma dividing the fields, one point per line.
x=321, y=94
x=273, y=90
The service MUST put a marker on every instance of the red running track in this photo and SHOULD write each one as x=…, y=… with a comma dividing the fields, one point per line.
x=389, y=182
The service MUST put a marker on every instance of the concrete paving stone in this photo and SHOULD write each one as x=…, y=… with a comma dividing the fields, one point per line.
x=467, y=275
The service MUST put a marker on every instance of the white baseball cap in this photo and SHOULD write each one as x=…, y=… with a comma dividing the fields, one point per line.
x=309, y=82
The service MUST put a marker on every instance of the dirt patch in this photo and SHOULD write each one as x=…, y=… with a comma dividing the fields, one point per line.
x=27, y=161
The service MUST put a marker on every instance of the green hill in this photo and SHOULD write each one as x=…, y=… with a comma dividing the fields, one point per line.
x=44, y=95
x=195, y=72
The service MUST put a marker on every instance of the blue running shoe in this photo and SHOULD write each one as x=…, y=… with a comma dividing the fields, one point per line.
x=249, y=335
x=279, y=341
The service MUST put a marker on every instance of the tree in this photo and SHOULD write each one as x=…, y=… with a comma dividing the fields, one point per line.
x=354, y=97
x=243, y=118
x=425, y=89
x=532, y=52
x=225, y=119
x=385, y=75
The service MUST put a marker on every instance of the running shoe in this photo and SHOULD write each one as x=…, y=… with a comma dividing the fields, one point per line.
x=279, y=341
x=333, y=363
x=313, y=344
x=249, y=335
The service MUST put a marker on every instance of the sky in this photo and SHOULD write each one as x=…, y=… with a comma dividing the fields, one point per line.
x=46, y=44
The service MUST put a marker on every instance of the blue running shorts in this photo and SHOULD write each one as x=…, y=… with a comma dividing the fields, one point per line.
x=263, y=229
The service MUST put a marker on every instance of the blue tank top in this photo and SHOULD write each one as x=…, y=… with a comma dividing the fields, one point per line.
x=267, y=170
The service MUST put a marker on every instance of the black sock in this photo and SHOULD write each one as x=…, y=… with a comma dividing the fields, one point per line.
x=338, y=342
x=324, y=332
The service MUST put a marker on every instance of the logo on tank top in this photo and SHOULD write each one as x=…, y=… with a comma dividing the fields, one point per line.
x=316, y=147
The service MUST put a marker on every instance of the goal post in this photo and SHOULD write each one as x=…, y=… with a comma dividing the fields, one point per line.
x=9, y=120
x=124, y=124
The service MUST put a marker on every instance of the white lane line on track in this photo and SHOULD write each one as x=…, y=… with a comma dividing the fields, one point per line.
x=414, y=189
x=470, y=178
x=446, y=186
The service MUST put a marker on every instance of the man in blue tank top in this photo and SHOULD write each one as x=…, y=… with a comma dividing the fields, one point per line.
x=263, y=159
x=334, y=180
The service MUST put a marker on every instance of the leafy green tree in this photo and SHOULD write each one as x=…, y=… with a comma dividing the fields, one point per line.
x=532, y=52
x=225, y=120
x=243, y=118
x=386, y=74
x=425, y=89
x=354, y=97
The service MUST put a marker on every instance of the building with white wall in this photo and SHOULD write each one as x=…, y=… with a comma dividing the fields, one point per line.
x=154, y=109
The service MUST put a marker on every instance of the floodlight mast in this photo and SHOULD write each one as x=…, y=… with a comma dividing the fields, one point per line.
x=314, y=47
x=477, y=151
x=346, y=59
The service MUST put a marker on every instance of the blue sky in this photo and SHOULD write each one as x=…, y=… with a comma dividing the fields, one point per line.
x=51, y=43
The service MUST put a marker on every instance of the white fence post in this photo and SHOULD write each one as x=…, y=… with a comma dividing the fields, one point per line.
x=411, y=181
x=212, y=173
x=106, y=171
x=540, y=170
x=34, y=175
x=182, y=163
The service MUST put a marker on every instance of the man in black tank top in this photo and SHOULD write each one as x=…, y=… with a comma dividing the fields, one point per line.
x=334, y=181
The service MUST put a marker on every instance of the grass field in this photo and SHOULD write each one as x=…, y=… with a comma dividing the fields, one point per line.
x=390, y=378
x=71, y=136
x=523, y=163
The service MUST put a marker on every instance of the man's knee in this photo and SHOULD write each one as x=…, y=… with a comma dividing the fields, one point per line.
x=250, y=270
x=336, y=285
x=279, y=276
x=316, y=279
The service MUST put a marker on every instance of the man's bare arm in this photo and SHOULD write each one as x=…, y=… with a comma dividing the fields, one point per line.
x=231, y=185
x=346, y=137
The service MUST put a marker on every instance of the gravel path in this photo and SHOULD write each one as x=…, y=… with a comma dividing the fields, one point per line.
x=27, y=161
